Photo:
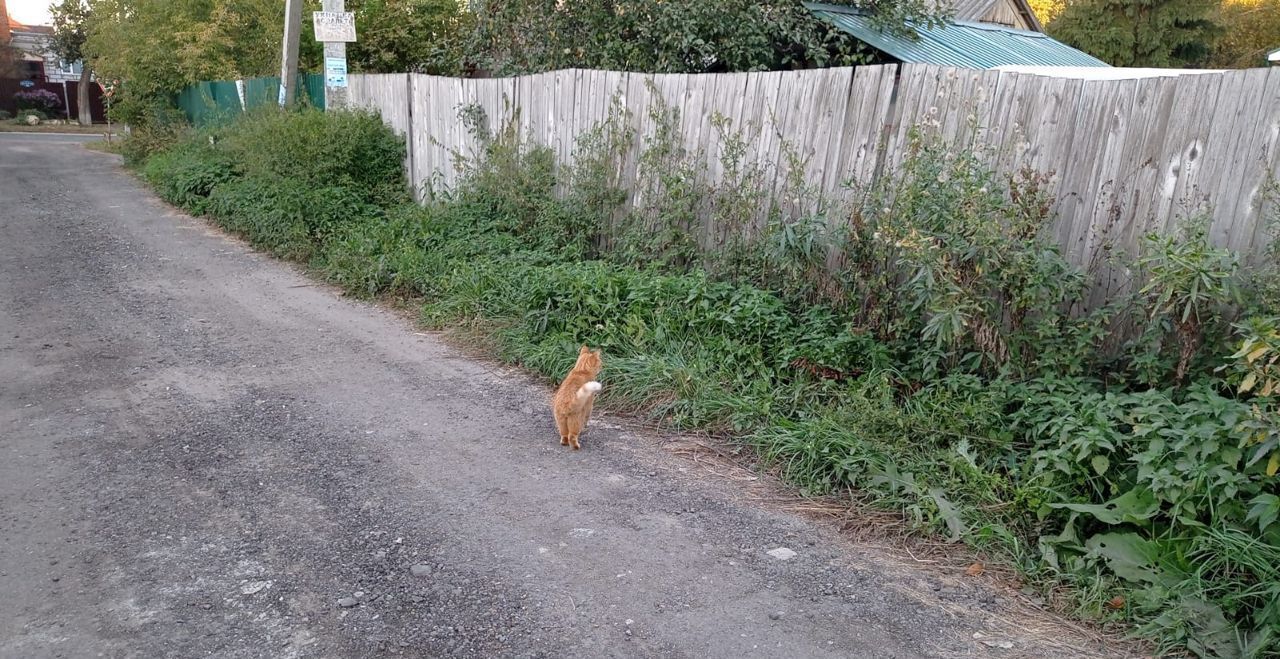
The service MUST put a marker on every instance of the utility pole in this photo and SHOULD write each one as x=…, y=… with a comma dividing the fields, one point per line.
x=335, y=27
x=289, y=60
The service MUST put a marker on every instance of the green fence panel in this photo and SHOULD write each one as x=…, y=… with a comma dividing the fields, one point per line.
x=313, y=83
x=216, y=101
x=209, y=102
x=197, y=102
x=260, y=92
x=187, y=101
x=226, y=101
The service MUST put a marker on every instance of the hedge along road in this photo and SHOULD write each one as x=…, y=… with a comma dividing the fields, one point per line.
x=204, y=453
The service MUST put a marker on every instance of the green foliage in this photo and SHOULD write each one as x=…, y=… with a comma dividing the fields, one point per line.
x=22, y=115
x=1264, y=279
x=70, y=21
x=1154, y=33
x=290, y=182
x=288, y=217
x=661, y=36
x=1173, y=475
x=1254, y=370
x=380, y=255
x=669, y=192
x=154, y=128
x=1249, y=29
x=422, y=36
x=159, y=47
x=943, y=372
x=343, y=149
x=1189, y=285
x=509, y=197
x=187, y=174
x=958, y=260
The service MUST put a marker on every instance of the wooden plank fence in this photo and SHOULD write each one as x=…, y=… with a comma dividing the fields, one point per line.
x=1127, y=156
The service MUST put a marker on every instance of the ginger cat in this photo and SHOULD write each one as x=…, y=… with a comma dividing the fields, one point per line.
x=573, y=400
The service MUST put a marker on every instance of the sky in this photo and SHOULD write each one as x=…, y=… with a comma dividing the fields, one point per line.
x=30, y=12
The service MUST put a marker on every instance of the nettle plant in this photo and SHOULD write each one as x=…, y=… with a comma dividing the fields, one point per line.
x=1190, y=285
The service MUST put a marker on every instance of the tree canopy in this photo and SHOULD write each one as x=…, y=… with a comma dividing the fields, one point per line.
x=168, y=44
x=672, y=36
x=1144, y=33
x=1250, y=29
x=161, y=46
x=421, y=36
x=1047, y=10
x=70, y=22
x=164, y=45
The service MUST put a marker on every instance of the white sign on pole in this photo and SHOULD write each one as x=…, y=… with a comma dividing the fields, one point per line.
x=334, y=26
x=335, y=71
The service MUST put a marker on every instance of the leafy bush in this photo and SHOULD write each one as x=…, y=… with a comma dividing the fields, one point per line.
x=41, y=100
x=287, y=217
x=288, y=207
x=5, y=115
x=1189, y=285
x=1165, y=471
x=345, y=149
x=153, y=130
x=187, y=174
x=945, y=371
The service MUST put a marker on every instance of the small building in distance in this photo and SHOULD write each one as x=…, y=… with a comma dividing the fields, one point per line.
x=32, y=57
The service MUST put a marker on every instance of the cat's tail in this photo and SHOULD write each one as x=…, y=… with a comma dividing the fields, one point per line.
x=587, y=391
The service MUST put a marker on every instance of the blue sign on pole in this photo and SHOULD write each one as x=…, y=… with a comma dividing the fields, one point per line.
x=28, y=83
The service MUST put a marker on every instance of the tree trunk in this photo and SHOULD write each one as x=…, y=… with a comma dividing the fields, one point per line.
x=82, y=96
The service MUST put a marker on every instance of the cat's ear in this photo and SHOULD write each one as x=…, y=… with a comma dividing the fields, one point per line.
x=584, y=350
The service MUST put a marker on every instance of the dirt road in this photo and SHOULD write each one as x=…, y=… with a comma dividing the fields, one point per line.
x=203, y=453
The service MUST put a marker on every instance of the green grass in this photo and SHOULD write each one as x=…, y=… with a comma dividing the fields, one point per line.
x=114, y=147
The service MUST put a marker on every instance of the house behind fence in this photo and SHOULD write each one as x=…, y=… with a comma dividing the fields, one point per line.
x=67, y=92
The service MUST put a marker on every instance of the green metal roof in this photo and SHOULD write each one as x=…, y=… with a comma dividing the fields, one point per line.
x=958, y=43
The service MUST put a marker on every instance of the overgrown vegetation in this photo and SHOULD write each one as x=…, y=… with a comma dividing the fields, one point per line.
x=1126, y=456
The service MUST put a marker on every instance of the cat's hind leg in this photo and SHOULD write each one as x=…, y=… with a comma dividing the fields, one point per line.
x=564, y=432
x=573, y=428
